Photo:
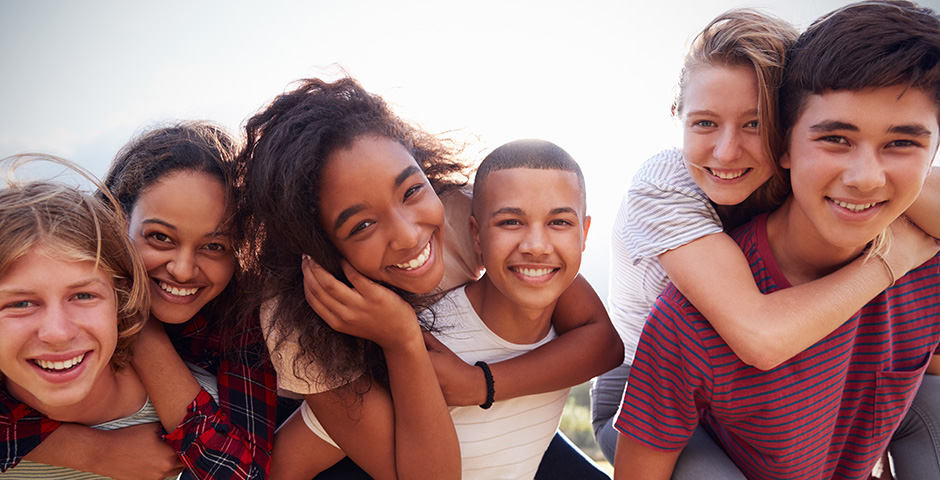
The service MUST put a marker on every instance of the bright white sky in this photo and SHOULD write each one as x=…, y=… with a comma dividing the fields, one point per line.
x=80, y=78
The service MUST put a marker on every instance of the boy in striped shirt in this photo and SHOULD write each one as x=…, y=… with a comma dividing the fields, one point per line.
x=860, y=105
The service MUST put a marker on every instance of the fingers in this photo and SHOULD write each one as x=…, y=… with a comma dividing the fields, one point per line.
x=325, y=294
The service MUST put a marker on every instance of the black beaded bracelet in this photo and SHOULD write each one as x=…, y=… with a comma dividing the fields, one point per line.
x=490, y=384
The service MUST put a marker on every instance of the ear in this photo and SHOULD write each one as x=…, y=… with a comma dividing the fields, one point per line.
x=475, y=232
x=785, y=161
x=587, y=226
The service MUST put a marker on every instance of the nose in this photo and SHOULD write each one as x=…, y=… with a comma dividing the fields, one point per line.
x=56, y=325
x=865, y=171
x=728, y=147
x=182, y=266
x=406, y=232
x=535, y=242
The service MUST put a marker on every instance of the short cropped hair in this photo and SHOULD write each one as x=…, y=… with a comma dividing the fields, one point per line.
x=75, y=226
x=530, y=153
x=863, y=45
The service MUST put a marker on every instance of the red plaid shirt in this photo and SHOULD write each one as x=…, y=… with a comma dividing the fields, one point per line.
x=231, y=439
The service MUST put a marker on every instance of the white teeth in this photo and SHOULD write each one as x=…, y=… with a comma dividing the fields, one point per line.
x=418, y=261
x=728, y=175
x=54, y=366
x=179, y=292
x=534, y=272
x=854, y=207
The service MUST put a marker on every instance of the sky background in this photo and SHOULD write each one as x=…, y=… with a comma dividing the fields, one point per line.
x=80, y=78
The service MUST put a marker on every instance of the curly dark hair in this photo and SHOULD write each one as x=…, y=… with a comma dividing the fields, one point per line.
x=287, y=145
x=198, y=146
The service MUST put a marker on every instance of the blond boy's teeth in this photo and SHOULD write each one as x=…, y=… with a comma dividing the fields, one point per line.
x=67, y=364
x=854, y=207
x=534, y=272
x=418, y=261
x=728, y=174
x=179, y=292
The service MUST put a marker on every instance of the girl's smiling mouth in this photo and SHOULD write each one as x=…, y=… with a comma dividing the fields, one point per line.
x=418, y=261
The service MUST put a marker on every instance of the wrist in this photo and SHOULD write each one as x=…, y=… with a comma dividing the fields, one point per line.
x=489, y=383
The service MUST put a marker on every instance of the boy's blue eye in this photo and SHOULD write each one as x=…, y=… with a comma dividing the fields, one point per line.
x=704, y=123
x=84, y=296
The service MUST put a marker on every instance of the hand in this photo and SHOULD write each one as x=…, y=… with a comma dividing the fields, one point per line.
x=910, y=247
x=367, y=310
x=137, y=452
x=463, y=384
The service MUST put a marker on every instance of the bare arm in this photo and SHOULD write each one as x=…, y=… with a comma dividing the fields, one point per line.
x=135, y=452
x=766, y=330
x=924, y=210
x=634, y=460
x=299, y=453
x=406, y=432
x=587, y=346
x=934, y=367
x=168, y=380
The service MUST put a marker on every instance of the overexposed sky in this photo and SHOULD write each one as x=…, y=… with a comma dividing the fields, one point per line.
x=79, y=78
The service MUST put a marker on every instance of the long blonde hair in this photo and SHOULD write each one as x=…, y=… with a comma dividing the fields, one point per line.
x=74, y=226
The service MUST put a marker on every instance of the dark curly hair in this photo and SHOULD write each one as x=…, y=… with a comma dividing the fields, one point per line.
x=287, y=145
x=198, y=146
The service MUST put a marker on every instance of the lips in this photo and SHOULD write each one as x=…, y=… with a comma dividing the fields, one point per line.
x=418, y=261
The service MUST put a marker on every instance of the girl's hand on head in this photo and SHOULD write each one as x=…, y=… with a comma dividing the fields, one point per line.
x=367, y=310
x=462, y=384
x=910, y=247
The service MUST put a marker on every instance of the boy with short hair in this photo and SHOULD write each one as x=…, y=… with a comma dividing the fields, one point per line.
x=529, y=223
x=861, y=102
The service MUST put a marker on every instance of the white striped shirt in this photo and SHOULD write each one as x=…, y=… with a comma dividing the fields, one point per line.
x=663, y=209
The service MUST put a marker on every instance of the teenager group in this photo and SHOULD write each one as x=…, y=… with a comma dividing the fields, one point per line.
x=333, y=298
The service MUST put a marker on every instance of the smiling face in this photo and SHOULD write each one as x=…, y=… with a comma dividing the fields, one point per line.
x=177, y=226
x=58, y=330
x=531, y=237
x=857, y=161
x=379, y=210
x=721, y=142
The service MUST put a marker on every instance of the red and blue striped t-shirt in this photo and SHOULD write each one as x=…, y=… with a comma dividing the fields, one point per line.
x=828, y=412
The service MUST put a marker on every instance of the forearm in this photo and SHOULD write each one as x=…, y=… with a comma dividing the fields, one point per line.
x=766, y=330
x=426, y=443
x=570, y=359
x=169, y=382
x=788, y=321
x=73, y=446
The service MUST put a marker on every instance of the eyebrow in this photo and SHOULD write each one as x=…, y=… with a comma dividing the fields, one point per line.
x=350, y=211
x=223, y=233
x=519, y=211
x=79, y=284
x=833, y=125
x=711, y=113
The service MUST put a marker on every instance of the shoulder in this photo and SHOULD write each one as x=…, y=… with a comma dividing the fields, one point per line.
x=665, y=169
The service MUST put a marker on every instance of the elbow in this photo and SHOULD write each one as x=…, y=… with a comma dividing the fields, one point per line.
x=763, y=359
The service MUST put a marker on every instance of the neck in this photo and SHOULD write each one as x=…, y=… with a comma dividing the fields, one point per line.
x=512, y=322
x=801, y=253
x=114, y=395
